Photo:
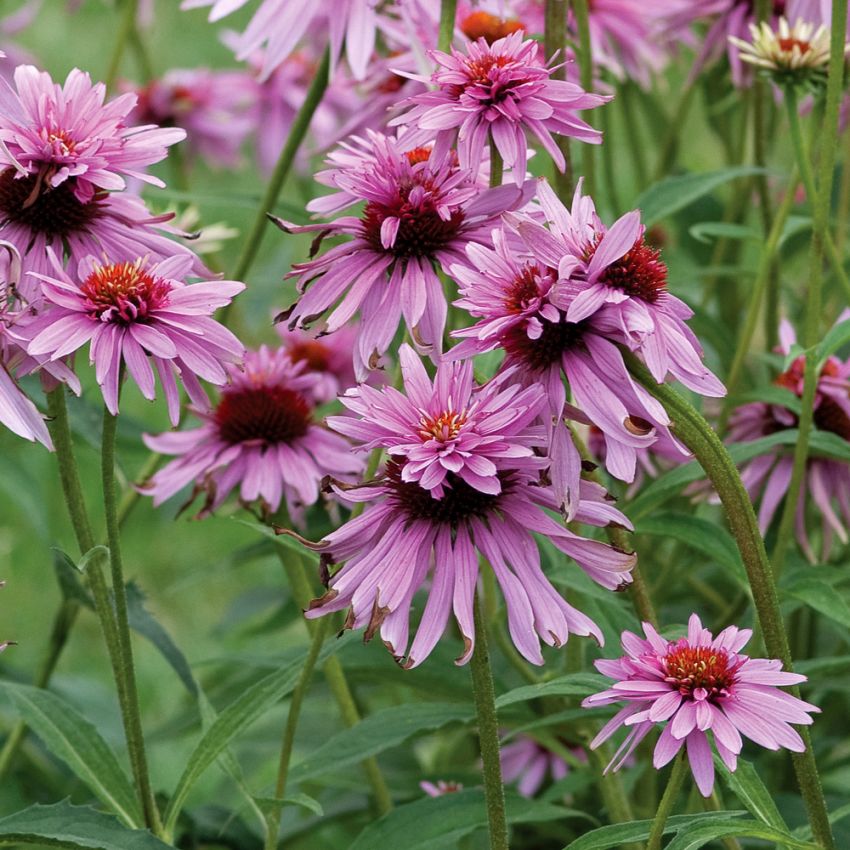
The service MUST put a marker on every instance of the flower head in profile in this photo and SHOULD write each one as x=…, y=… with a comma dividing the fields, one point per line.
x=529, y=763
x=67, y=154
x=215, y=108
x=696, y=685
x=498, y=92
x=421, y=210
x=826, y=484
x=475, y=23
x=138, y=315
x=460, y=483
x=261, y=438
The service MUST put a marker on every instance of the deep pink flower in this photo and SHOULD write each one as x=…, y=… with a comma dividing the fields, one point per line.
x=261, y=437
x=421, y=210
x=215, y=108
x=139, y=315
x=694, y=685
x=827, y=480
x=66, y=152
x=281, y=24
x=469, y=446
x=512, y=290
x=498, y=92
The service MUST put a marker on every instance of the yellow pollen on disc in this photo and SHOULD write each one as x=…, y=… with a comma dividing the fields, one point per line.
x=444, y=427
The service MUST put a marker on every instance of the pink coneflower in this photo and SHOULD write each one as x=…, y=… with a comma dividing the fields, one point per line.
x=328, y=358
x=65, y=152
x=827, y=481
x=460, y=483
x=529, y=763
x=280, y=24
x=421, y=210
x=141, y=316
x=694, y=685
x=441, y=787
x=475, y=22
x=215, y=108
x=498, y=91
x=261, y=437
x=514, y=292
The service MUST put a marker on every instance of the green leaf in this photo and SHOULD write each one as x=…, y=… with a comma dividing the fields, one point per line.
x=143, y=622
x=746, y=785
x=433, y=822
x=270, y=805
x=705, y=537
x=835, y=338
x=243, y=711
x=64, y=825
x=771, y=395
x=71, y=738
x=675, y=193
x=709, y=231
x=822, y=597
x=576, y=684
x=281, y=539
x=616, y=834
x=377, y=732
x=699, y=835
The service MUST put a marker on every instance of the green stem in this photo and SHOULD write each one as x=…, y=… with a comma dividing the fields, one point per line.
x=763, y=274
x=488, y=733
x=668, y=800
x=582, y=14
x=670, y=145
x=693, y=430
x=448, y=12
x=295, y=704
x=335, y=677
x=124, y=651
x=66, y=615
x=611, y=788
x=555, y=41
x=281, y=170
x=496, y=165
x=130, y=497
x=125, y=29
x=635, y=146
x=819, y=197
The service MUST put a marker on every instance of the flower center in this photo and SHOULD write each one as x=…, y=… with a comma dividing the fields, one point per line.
x=53, y=211
x=271, y=414
x=489, y=27
x=829, y=414
x=444, y=427
x=788, y=44
x=311, y=352
x=524, y=290
x=124, y=293
x=59, y=140
x=541, y=353
x=417, y=155
x=421, y=231
x=459, y=503
x=690, y=667
x=639, y=273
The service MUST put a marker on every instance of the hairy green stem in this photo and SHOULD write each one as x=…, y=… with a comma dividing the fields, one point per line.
x=693, y=430
x=124, y=655
x=448, y=13
x=819, y=197
x=125, y=30
x=668, y=800
x=488, y=733
x=284, y=163
x=335, y=677
x=497, y=167
x=581, y=11
x=66, y=615
x=292, y=717
x=763, y=274
x=555, y=41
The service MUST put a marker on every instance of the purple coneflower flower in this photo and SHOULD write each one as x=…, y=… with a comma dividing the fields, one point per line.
x=140, y=315
x=529, y=763
x=215, y=108
x=65, y=152
x=421, y=209
x=694, y=685
x=826, y=481
x=281, y=24
x=261, y=437
x=498, y=91
x=460, y=482
x=441, y=788
x=514, y=290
